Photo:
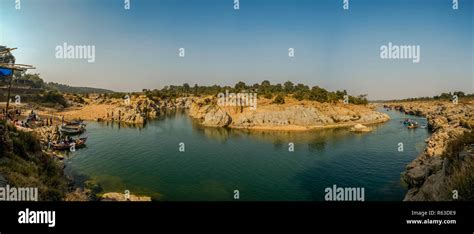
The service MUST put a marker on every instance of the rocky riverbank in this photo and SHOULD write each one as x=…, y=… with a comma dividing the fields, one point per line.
x=446, y=166
x=136, y=110
x=293, y=115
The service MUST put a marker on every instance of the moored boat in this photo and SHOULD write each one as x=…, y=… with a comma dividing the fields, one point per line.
x=64, y=145
x=72, y=129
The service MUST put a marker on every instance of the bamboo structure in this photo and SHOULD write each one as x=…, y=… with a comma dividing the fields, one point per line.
x=10, y=65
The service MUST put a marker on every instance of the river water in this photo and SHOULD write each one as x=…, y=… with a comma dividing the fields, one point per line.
x=216, y=161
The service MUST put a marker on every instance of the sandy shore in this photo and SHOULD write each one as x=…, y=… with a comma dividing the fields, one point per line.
x=89, y=112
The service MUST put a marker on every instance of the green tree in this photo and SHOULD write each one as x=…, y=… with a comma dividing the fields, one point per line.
x=240, y=86
x=265, y=84
x=319, y=94
x=288, y=87
x=186, y=88
x=279, y=99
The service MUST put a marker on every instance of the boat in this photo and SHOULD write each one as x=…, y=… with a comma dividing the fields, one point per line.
x=64, y=145
x=72, y=128
x=412, y=125
x=76, y=123
x=407, y=121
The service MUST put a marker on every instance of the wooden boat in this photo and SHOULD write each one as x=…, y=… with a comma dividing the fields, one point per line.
x=72, y=129
x=76, y=123
x=80, y=142
x=412, y=125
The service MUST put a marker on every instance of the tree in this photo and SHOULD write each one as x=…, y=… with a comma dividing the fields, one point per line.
x=288, y=87
x=265, y=88
x=301, y=87
x=319, y=94
x=265, y=83
x=361, y=99
x=459, y=94
x=186, y=87
x=277, y=88
x=240, y=86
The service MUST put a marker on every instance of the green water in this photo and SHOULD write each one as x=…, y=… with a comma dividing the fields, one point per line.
x=218, y=161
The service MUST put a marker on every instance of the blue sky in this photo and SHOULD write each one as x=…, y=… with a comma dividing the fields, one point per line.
x=334, y=48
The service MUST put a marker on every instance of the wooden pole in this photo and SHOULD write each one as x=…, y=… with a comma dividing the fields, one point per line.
x=8, y=97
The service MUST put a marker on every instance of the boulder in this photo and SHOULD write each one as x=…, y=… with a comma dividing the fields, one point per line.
x=360, y=128
x=121, y=197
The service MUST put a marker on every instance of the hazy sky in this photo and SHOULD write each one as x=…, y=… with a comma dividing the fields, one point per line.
x=334, y=48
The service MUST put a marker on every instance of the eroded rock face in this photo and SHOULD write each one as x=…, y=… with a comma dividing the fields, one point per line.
x=142, y=108
x=295, y=115
x=428, y=176
x=217, y=117
x=209, y=113
x=273, y=116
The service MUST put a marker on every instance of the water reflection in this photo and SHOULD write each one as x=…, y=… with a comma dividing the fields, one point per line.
x=314, y=139
x=218, y=160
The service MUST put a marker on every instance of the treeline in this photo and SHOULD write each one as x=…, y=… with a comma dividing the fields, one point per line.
x=278, y=92
x=35, y=81
x=265, y=89
x=442, y=96
x=75, y=90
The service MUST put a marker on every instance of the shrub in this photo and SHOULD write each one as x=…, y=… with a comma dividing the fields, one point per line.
x=268, y=96
x=54, y=97
x=279, y=99
x=299, y=96
x=462, y=169
x=28, y=166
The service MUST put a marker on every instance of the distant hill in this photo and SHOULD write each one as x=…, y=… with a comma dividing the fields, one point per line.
x=80, y=90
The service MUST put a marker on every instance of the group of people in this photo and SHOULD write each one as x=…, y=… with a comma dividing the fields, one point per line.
x=32, y=120
x=11, y=114
x=66, y=140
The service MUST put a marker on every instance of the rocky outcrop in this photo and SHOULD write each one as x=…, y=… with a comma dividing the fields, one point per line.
x=78, y=194
x=137, y=111
x=122, y=197
x=360, y=128
x=428, y=176
x=141, y=108
x=291, y=115
x=210, y=114
x=300, y=115
x=47, y=132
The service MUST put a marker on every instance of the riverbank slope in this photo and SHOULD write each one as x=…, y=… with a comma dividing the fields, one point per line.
x=445, y=169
